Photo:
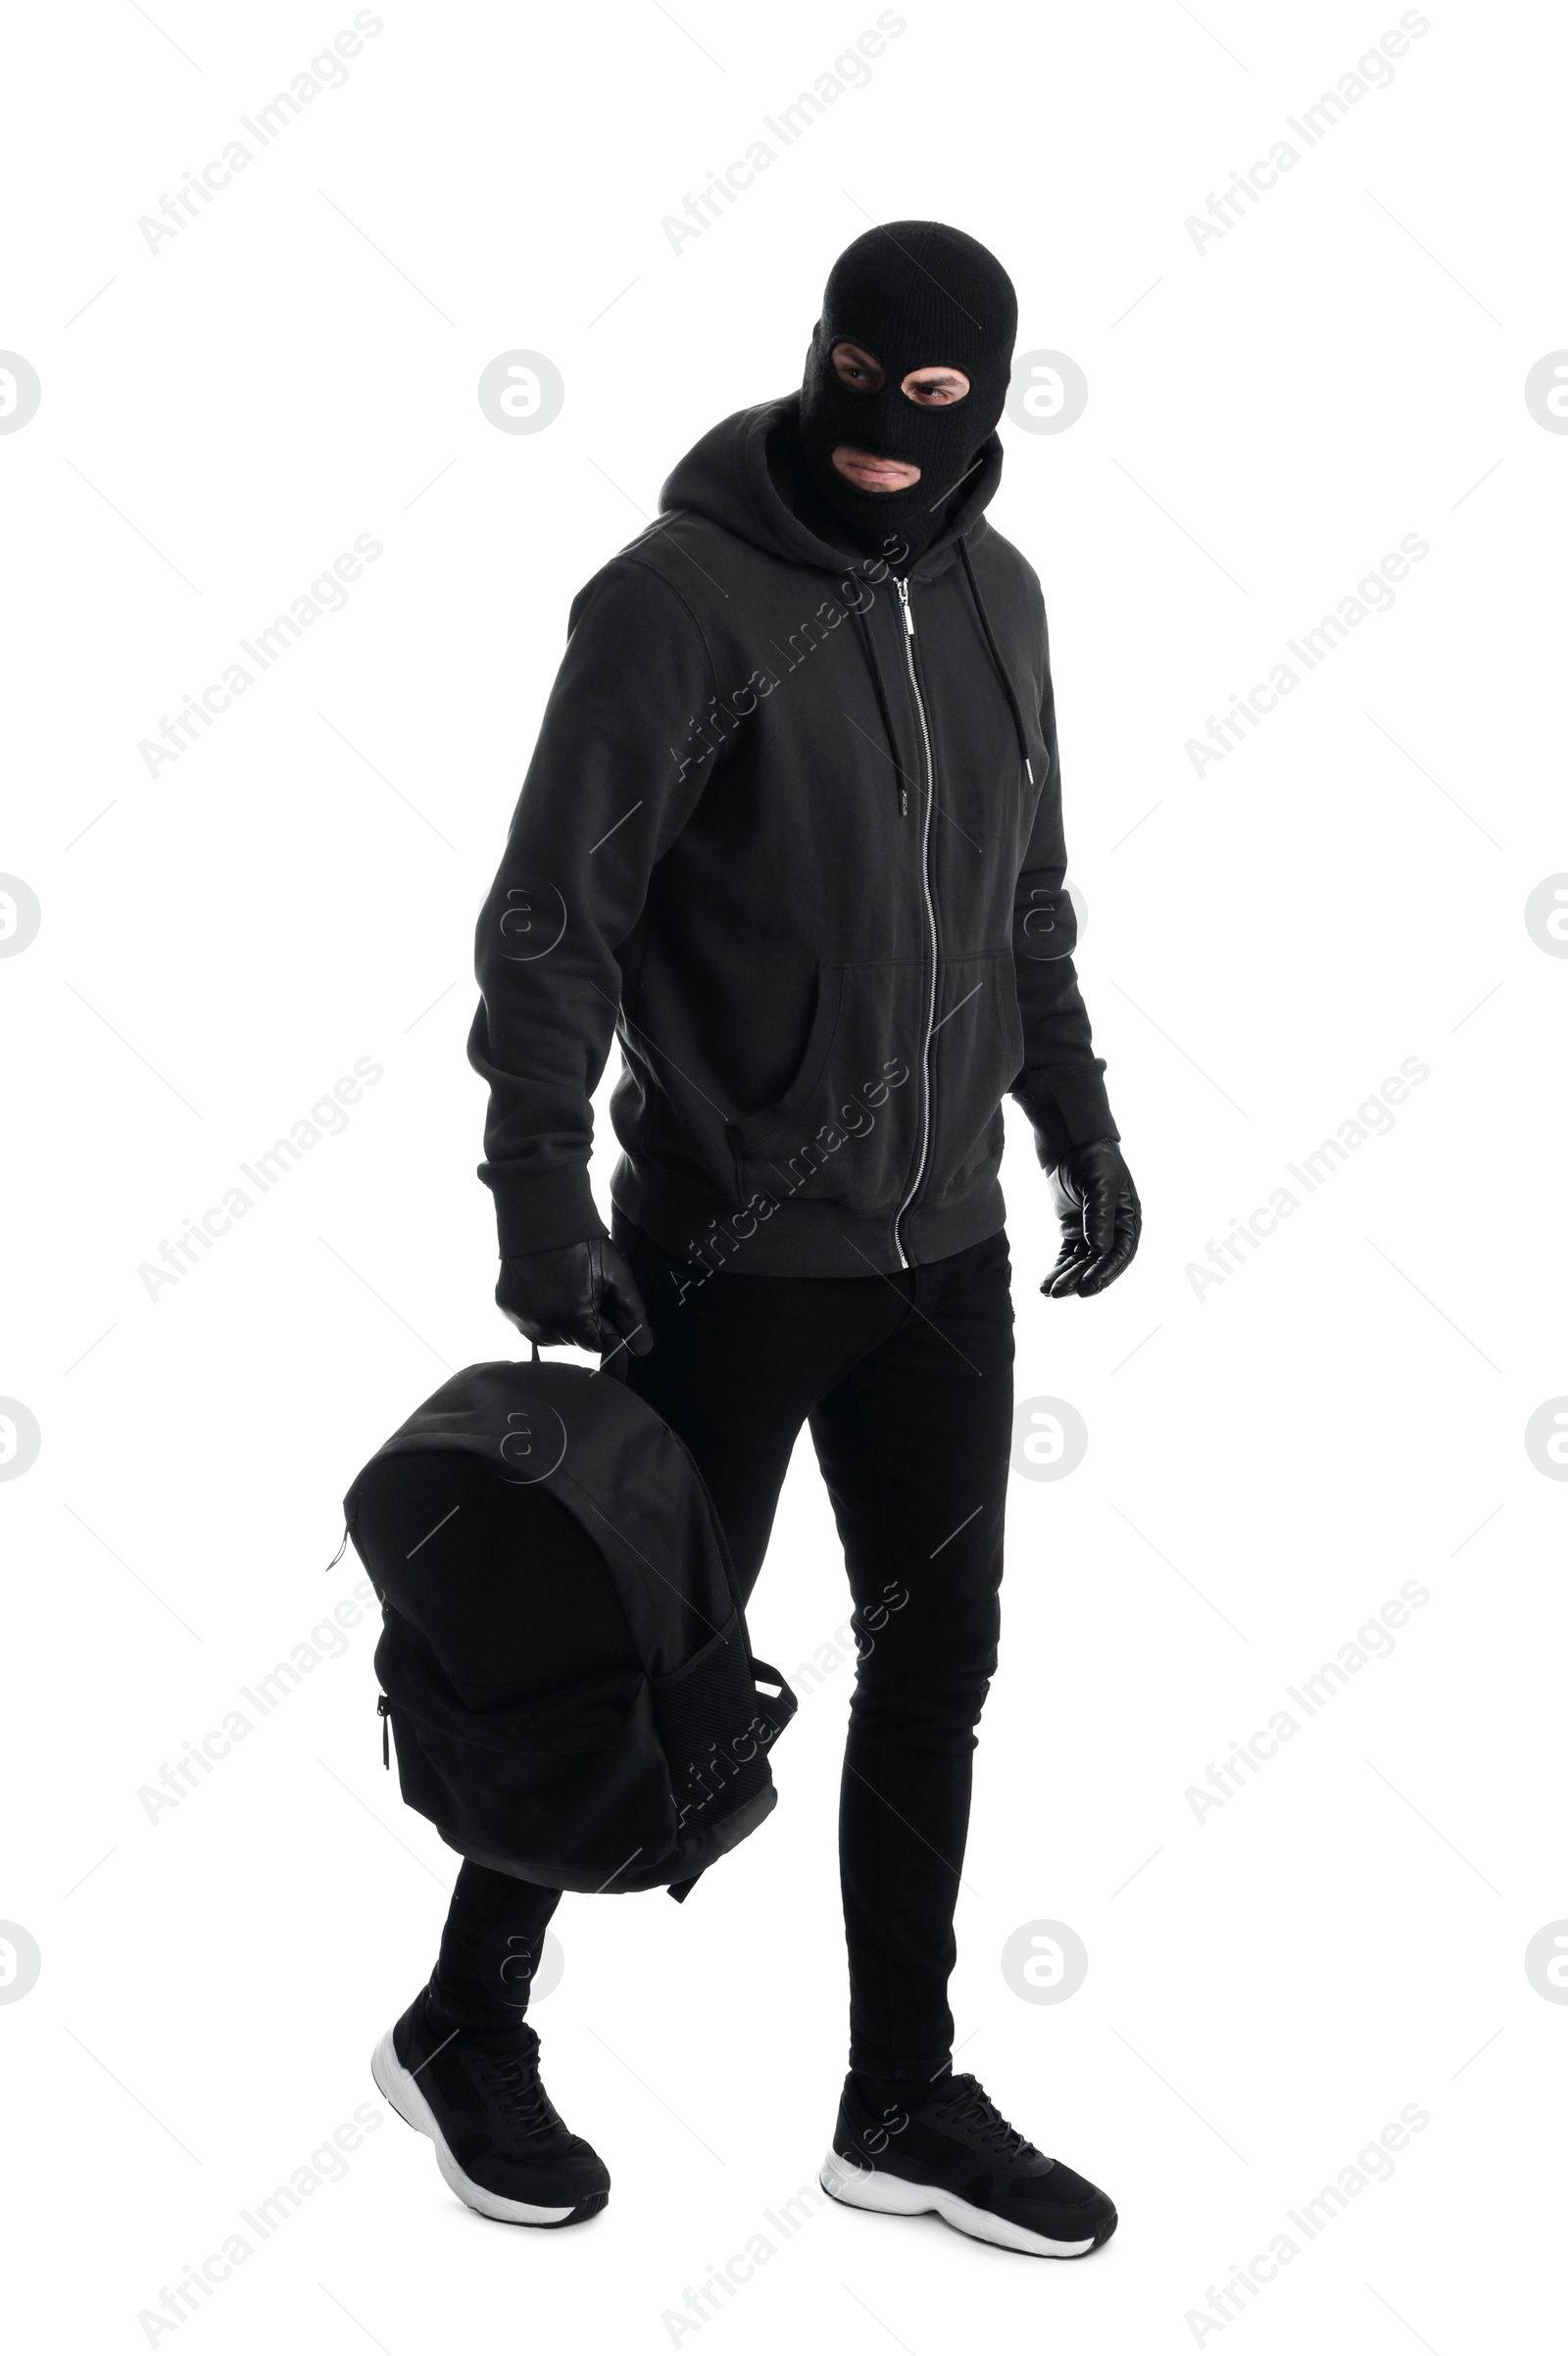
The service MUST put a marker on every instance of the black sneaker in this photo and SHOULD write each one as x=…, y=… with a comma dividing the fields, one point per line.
x=956, y=2153
x=499, y=2139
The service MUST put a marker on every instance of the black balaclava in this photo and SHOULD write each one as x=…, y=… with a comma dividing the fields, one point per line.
x=913, y=294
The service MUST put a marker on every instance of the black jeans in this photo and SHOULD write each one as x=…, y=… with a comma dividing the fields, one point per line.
x=907, y=1383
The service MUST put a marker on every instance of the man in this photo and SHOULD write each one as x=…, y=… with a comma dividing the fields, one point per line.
x=792, y=834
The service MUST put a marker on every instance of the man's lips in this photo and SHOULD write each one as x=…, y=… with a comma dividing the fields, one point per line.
x=877, y=473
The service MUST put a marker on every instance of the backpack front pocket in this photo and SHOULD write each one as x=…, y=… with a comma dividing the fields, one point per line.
x=573, y=1792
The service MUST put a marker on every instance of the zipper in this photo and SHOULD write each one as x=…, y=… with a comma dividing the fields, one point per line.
x=383, y=1710
x=931, y=921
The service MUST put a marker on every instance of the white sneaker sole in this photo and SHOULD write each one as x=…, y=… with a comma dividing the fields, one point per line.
x=894, y=2196
x=401, y=2090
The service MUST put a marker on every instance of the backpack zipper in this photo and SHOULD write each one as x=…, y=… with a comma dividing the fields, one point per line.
x=931, y=921
x=383, y=1710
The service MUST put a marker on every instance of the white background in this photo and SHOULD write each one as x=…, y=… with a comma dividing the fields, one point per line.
x=1267, y=418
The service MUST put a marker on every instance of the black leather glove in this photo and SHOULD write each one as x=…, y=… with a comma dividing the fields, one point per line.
x=584, y=1294
x=1100, y=1217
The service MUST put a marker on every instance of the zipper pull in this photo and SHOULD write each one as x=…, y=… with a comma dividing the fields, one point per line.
x=383, y=1710
x=903, y=801
x=903, y=601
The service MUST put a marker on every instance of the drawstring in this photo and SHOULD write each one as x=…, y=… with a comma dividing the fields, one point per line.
x=996, y=656
x=868, y=647
x=870, y=651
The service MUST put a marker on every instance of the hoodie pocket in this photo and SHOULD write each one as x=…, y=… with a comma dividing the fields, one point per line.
x=845, y=1129
x=978, y=1053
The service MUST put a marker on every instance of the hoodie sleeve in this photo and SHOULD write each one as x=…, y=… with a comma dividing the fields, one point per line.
x=615, y=776
x=1061, y=1087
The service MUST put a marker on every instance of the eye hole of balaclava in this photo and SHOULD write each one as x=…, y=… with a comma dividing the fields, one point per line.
x=910, y=294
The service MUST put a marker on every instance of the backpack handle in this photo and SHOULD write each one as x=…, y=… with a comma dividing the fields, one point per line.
x=612, y=1362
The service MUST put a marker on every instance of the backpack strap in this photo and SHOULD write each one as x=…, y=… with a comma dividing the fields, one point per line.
x=778, y=1708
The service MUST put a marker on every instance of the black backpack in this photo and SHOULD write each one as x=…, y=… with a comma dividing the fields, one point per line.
x=563, y=1659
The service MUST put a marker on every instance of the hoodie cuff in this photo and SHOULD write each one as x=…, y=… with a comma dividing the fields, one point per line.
x=541, y=1210
x=1067, y=1106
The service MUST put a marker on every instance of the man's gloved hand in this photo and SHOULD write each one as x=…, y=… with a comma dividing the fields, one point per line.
x=1100, y=1217
x=584, y=1294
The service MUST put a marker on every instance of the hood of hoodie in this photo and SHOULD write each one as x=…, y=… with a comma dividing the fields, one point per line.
x=733, y=475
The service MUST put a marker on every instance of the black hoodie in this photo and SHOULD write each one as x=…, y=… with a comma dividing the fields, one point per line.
x=792, y=830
